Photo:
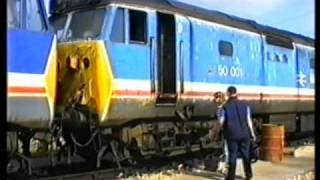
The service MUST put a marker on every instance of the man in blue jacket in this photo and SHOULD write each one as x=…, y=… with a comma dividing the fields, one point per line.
x=235, y=119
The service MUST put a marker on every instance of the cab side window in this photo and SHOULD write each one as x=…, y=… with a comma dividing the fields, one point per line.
x=118, y=28
x=14, y=14
x=34, y=17
x=137, y=26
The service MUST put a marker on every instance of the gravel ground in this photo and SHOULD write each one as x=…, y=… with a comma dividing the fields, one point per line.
x=297, y=167
x=304, y=176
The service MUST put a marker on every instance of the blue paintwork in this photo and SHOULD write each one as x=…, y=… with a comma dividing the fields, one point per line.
x=130, y=58
x=202, y=61
x=28, y=51
x=183, y=45
x=279, y=74
x=303, y=62
x=206, y=59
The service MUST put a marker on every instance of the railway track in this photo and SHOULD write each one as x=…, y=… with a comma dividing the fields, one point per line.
x=74, y=171
x=111, y=171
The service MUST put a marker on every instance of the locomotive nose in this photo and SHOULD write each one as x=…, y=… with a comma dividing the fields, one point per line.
x=84, y=76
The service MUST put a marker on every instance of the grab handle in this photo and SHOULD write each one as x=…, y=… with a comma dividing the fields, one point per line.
x=152, y=64
x=181, y=65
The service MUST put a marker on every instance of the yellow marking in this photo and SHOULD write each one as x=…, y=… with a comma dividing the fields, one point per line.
x=104, y=71
x=51, y=81
x=98, y=76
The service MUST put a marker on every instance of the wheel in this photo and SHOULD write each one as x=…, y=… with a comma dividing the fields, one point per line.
x=89, y=154
x=13, y=165
x=135, y=151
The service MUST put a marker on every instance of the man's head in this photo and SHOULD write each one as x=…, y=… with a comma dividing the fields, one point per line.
x=219, y=97
x=231, y=92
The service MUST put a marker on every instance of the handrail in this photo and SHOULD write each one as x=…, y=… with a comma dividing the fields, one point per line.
x=181, y=64
x=152, y=65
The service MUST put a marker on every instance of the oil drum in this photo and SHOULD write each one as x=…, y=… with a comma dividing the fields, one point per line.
x=272, y=142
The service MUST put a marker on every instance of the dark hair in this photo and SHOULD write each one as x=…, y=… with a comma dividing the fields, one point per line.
x=218, y=94
x=232, y=90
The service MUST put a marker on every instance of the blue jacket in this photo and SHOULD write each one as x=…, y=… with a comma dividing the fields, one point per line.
x=236, y=115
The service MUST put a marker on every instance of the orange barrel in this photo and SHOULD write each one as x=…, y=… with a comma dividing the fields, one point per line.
x=272, y=142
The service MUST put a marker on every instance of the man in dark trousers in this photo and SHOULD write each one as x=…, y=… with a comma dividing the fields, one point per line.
x=235, y=119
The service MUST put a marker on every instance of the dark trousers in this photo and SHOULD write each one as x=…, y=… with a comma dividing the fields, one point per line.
x=242, y=146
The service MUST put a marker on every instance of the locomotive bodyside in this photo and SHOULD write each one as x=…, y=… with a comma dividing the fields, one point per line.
x=266, y=74
x=305, y=75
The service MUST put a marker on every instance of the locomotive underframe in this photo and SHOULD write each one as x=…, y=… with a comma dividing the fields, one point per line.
x=77, y=132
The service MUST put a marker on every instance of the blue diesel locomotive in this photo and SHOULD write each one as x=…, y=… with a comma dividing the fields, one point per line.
x=137, y=78
x=152, y=68
x=31, y=71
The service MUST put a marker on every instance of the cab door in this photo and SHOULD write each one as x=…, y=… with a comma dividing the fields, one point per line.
x=166, y=59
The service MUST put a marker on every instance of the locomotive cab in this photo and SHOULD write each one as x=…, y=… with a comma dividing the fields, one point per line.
x=122, y=37
x=84, y=72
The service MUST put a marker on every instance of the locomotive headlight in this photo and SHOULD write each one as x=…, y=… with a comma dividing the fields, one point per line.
x=75, y=63
x=85, y=63
x=72, y=62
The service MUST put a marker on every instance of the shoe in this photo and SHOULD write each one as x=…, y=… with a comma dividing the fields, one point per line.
x=248, y=175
